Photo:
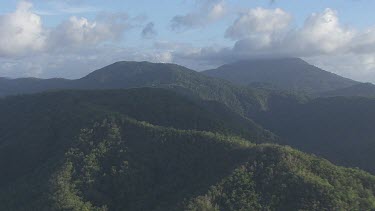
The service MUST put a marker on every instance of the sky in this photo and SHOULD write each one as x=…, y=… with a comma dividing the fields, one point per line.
x=71, y=38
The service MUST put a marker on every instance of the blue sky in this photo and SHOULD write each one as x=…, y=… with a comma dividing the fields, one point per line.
x=70, y=38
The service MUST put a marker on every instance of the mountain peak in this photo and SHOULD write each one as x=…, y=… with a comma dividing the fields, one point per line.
x=284, y=73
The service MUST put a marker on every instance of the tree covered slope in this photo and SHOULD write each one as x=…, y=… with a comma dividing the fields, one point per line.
x=338, y=128
x=82, y=151
x=123, y=164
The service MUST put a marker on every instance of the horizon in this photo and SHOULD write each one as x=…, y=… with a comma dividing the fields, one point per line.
x=70, y=38
x=153, y=62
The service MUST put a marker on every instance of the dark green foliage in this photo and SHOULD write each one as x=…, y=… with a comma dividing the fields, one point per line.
x=48, y=162
x=284, y=179
x=122, y=164
x=154, y=149
x=36, y=130
x=339, y=129
x=157, y=106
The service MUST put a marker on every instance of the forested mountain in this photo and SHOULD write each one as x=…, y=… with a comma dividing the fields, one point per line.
x=144, y=74
x=37, y=130
x=185, y=141
x=338, y=128
x=292, y=74
x=83, y=152
x=248, y=103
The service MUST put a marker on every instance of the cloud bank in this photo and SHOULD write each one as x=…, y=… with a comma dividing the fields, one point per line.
x=78, y=45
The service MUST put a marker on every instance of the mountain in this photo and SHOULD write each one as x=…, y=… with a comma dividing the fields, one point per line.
x=122, y=75
x=96, y=150
x=37, y=130
x=337, y=128
x=292, y=74
x=277, y=111
x=362, y=90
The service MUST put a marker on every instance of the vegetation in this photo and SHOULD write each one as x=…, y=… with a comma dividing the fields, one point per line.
x=123, y=164
x=339, y=129
x=187, y=142
x=82, y=153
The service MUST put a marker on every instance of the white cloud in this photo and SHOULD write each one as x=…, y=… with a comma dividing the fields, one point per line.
x=209, y=11
x=78, y=32
x=79, y=45
x=359, y=67
x=21, y=32
x=268, y=32
x=70, y=49
x=321, y=33
x=258, y=20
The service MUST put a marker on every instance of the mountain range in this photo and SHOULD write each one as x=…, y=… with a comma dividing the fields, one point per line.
x=84, y=150
x=147, y=136
x=288, y=74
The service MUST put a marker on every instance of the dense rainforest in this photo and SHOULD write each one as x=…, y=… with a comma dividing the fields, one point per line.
x=145, y=136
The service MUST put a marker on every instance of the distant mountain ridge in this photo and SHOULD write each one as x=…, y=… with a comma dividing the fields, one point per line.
x=358, y=90
x=288, y=74
x=284, y=73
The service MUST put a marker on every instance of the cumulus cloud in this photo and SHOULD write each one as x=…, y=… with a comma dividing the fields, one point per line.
x=321, y=40
x=321, y=33
x=149, y=31
x=79, y=45
x=209, y=11
x=268, y=32
x=21, y=32
x=77, y=32
x=258, y=20
x=65, y=50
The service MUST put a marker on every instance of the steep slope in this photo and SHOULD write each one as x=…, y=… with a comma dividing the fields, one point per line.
x=338, y=128
x=282, y=73
x=123, y=164
x=360, y=90
x=37, y=130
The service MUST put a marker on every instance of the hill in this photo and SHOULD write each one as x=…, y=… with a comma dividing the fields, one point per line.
x=37, y=130
x=291, y=74
x=337, y=128
x=119, y=163
x=83, y=152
